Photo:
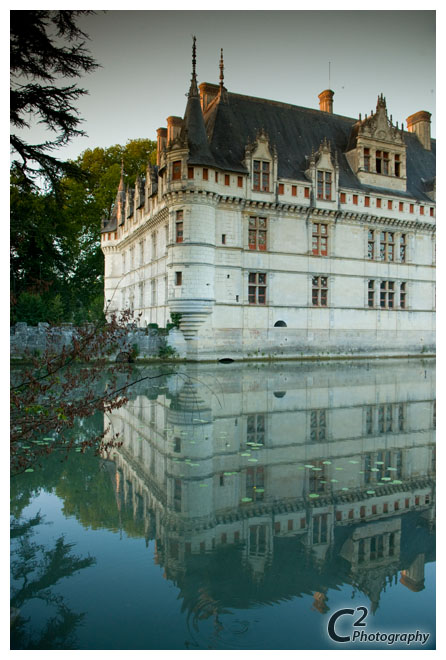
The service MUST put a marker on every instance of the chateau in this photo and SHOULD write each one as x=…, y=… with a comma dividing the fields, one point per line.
x=280, y=231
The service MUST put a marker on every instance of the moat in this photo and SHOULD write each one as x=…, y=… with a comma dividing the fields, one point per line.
x=247, y=505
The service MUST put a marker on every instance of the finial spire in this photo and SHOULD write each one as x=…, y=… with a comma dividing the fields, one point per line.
x=222, y=66
x=193, y=91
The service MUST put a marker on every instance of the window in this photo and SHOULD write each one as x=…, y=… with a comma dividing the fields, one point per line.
x=176, y=170
x=294, y=193
x=371, y=293
x=403, y=247
x=320, y=239
x=257, y=288
x=367, y=159
x=190, y=172
x=257, y=233
x=366, y=201
x=318, y=425
x=387, y=295
x=178, y=278
x=385, y=162
x=223, y=239
x=431, y=213
x=320, y=528
x=179, y=227
x=421, y=210
x=323, y=185
x=261, y=175
x=205, y=174
x=343, y=198
x=319, y=291
x=389, y=204
x=306, y=192
x=371, y=244
x=154, y=244
x=403, y=295
x=240, y=181
x=153, y=283
x=227, y=180
x=401, y=206
x=378, y=202
x=281, y=189
x=216, y=177
x=386, y=246
x=397, y=165
x=411, y=208
x=355, y=199
x=378, y=162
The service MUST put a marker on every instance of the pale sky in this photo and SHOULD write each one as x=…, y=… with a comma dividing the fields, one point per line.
x=280, y=55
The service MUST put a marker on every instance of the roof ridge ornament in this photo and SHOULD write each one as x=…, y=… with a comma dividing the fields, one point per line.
x=222, y=66
x=193, y=90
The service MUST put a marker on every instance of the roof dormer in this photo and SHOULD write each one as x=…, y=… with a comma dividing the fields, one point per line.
x=261, y=161
x=377, y=150
x=323, y=172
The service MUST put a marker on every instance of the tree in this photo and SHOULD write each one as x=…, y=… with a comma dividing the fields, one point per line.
x=47, y=47
x=55, y=238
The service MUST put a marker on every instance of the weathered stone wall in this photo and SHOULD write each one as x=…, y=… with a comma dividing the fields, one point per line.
x=36, y=339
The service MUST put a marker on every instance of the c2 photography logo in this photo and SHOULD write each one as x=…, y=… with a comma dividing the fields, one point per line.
x=342, y=619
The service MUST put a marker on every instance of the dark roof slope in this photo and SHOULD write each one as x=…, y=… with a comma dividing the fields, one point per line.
x=296, y=131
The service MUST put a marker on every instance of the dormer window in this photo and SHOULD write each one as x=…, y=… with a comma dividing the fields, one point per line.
x=397, y=165
x=378, y=162
x=323, y=185
x=261, y=175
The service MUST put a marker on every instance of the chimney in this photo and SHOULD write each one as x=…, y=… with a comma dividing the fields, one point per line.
x=174, y=125
x=208, y=92
x=420, y=124
x=326, y=101
x=161, y=136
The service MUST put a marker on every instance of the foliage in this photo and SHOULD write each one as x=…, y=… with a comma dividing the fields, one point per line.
x=175, y=318
x=47, y=48
x=167, y=351
x=55, y=238
x=61, y=386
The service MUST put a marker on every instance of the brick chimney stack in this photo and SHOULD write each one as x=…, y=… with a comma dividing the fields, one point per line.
x=174, y=125
x=161, y=137
x=208, y=92
x=420, y=124
x=326, y=100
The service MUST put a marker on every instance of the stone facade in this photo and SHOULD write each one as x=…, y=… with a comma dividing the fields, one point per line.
x=280, y=231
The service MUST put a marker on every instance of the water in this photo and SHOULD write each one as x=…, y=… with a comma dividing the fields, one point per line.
x=247, y=505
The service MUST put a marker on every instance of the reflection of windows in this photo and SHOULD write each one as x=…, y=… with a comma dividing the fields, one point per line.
x=177, y=445
x=318, y=482
x=257, y=233
x=255, y=429
x=177, y=495
x=257, y=288
x=255, y=483
x=318, y=425
x=257, y=539
x=403, y=247
x=261, y=175
x=319, y=291
x=320, y=528
x=320, y=239
x=385, y=463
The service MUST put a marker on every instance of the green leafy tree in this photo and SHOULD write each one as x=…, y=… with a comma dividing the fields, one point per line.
x=47, y=49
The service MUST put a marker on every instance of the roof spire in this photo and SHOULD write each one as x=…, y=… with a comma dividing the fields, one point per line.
x=222, y=66
x=193, y=91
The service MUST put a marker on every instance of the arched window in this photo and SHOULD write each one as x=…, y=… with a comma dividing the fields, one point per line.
x=280, y=324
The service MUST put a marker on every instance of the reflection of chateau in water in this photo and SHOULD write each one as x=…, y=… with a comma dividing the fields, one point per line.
x=260, y=483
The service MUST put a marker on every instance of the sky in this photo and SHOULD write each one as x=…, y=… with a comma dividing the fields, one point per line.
x=288, y=56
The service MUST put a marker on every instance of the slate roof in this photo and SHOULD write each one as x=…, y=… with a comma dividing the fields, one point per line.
x=295, y=131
